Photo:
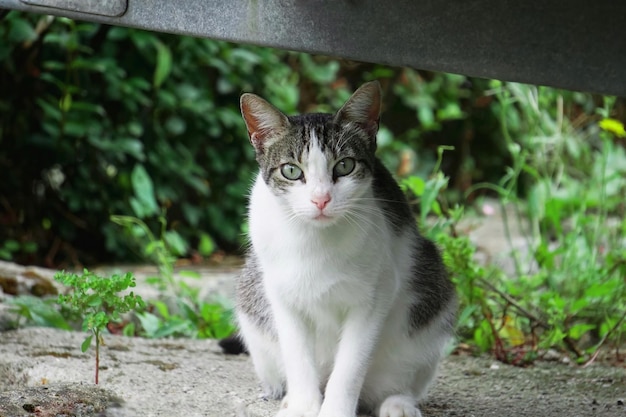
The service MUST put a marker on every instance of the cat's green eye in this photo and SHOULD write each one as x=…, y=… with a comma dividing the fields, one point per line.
x=291, y=172
x=344, y=167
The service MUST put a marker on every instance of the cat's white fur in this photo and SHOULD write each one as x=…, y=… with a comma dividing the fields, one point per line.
x=337, y=287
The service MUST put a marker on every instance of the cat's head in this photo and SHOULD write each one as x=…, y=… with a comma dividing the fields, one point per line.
x=319, y=165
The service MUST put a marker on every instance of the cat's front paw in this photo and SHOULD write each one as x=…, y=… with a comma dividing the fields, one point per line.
x=288, y=412
x=296, y=412
x=333, y=409
x=399, y=406
x=302, y=408
x=325, y=413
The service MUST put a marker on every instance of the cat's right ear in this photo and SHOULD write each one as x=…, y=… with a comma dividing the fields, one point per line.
x=265, y=122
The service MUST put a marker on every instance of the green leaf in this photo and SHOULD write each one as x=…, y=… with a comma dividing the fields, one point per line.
x=185, y=273
x=580, y=329
x=145, y=203
x=597, y=289
x=163, y=64
x=49, y=110
x=206, y=246
x=12, y=245
x=129, y=330
x=162, y=308
x=21, y=31
x=176, y=244
x=199, y=184
x=245, y=55
x=84, y=347
x=135, y=128
x=450, y=111
x=175, y=125
x=192, y=213
x=189, y=312
x=130, y=146
x=579, y=305
x=414, y=184
x=94, y=300
x=29, y=247
x=75, y=128
x=208, y=311
x=173, y=328
x=39, y=311
x=150, y=323
x=65, y=103
x=426, y=117
x=429, y=197
x=537, y=200
x=465, y=315
x=154, y=281
x=50, y=318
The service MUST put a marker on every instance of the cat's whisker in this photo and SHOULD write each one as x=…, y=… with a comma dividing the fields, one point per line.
x=354, y=220
x=362, y=217
x=377, y=199
x=293, y=217
x=376, y=211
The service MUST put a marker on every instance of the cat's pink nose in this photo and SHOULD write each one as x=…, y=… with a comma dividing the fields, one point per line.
x=321, y=201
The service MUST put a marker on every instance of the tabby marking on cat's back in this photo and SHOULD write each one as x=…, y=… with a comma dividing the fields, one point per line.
x=340, y=294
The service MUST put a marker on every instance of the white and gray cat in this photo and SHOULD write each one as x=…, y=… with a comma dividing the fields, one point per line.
x=341, y=304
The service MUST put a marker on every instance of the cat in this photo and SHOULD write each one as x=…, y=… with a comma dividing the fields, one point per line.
x=339, y=294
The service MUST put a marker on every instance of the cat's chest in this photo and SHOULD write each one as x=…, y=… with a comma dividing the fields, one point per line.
x=318, y=266
x=322, y=278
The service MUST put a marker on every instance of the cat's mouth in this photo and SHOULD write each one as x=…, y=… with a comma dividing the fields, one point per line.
x=322, y=217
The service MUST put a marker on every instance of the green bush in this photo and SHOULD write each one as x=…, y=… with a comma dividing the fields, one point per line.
x=567, y=289
x=107, y=124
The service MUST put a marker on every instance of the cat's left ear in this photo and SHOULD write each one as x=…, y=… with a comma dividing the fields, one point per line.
x=265, y=122
x=363, y=108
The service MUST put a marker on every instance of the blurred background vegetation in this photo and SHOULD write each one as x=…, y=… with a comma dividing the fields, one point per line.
x=98, y=120
x=117, y=144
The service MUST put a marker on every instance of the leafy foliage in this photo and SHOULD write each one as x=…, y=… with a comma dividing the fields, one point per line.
x=96, y=300
x=38, y=311
x=179, y=311
x=110, y=125
x=10, y=247
x=98, y=120
x=568, y=291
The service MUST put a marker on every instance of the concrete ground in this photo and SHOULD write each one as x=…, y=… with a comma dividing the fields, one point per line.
x=44, y=373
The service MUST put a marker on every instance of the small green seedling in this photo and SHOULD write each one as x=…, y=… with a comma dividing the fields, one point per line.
x=96, y=300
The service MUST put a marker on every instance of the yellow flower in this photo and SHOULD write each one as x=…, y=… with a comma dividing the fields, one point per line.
x=511, y=332
x=614, y=126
